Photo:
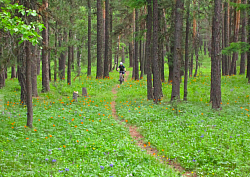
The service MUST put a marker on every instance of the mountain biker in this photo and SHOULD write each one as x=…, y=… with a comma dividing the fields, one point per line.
x=122, y=69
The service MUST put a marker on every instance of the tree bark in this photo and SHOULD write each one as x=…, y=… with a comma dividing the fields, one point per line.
x=226, y=36
x=243, y=39
x=69, y=60
x=236, y=36
x=148, y=51
x=29, y=85
x=130, y=55
x=100, y=68
x=177, y=50
x=156, y=73
x=62, y=59
x=13, y=71
x=136, y=66
x=110, y=38
x=107, y=42
x=34, y=71
x=38, y=61
x=248, y=53
x=89, y=39
x=215, y=94
x=171, y=55
x=186, y=51
x=21, y=60
x=55, y=59
x=45, y=57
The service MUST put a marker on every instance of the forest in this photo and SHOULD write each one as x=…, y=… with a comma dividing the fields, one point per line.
x=181, y=110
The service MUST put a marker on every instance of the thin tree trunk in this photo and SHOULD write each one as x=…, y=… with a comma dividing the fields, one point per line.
x=78, y=61
x=34, y=71
x=248, y=53
x=156, y=73
x=38, y=61
x=226, y=37
x=106, y=57
x=45, y=56
x=136, y=67
x=130, y=55
x=171, y=55
x=177, y=50
x=13, y=71
x=89, y=39
x=62, y=60
x=186, y=51
x=100, y=68
x=55, y=59
x=69, y=60
x=236, y=36
x=148, y=51
x=110, y=38
x=243, y=39
x=215, y=94
x=29, y=85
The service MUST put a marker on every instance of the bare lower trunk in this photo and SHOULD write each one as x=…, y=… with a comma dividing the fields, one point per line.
x=186, y=51
x=34, y=72
x=243, y=39
x=29, y=85
x=177, y=50
x=215, y=94
x=89, y=39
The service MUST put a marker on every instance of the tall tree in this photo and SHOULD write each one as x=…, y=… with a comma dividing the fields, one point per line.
x=236, y=36
x=89, y=39
x=99, y=71
x=156, y=73
x=136, y=66
x=107, y=42
x=187, y=50
x=69, y=60
x=248, y=53
x=45, y=56
x=215, y=93
x=243, y=39
x=34, y=71
x=29, y=85
x=177, y=50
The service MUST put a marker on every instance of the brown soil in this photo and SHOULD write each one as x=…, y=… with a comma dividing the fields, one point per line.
x=145, y=145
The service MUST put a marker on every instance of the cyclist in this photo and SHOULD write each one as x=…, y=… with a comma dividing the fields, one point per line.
x=122, y=69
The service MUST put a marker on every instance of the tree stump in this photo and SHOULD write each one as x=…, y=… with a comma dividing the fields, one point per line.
x=84, y=91
x=75, y=95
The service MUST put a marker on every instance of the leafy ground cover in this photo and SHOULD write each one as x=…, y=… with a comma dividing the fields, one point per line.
x=202, y=140
x=70, y=138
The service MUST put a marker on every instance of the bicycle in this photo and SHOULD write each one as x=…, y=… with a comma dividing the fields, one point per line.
x=121, y=79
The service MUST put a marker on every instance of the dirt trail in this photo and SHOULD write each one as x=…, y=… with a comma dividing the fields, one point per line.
x=140, y=139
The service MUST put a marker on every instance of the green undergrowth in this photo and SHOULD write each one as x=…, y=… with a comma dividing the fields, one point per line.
x=70, y=138
x=211, y=143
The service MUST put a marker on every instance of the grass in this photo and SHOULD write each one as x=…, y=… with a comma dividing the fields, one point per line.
x=211, y=143
x=70, y=138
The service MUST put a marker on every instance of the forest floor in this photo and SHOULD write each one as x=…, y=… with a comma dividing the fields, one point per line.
x=116, y=131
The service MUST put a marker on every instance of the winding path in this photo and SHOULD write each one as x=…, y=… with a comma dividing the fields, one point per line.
x=140, y=139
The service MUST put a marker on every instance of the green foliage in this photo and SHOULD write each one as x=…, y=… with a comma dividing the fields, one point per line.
x=16, y=25
x=78, y=152
x=240, y=47
x=135, y=3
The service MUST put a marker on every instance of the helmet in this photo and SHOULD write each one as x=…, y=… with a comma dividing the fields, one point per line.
x=121, y=63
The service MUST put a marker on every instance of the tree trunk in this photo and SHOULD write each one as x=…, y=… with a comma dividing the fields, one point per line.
x=136, y=66
x=177, y=50
x=215, y=94
x=171, y=55
x=38, y=61
x=186, y=51
x=226, y=37
x=45, y=56
x=62, y=59
x=29, y=85
x=13, y=71
x=100, y=68
x=106, y=57
x=248, y=53
x=89, y=39
x=243, y=39
x=78, y=61
x=236, y=36
x=156, y=73
x=21, y=60
x=142, y=59
x=55, y=59
x=110, y=38
x=69, y=60
x=191, y=65
x=2, y=77
x=34, y=71
x=130, y=55
x=148, y=51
